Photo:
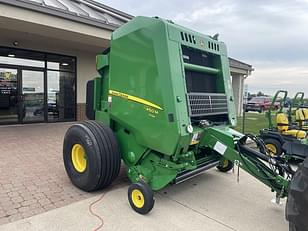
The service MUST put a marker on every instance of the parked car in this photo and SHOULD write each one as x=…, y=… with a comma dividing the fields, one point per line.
x=52, y=108
x=260, y=104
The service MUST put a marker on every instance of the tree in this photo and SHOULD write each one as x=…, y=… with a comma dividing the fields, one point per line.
x=260, y=93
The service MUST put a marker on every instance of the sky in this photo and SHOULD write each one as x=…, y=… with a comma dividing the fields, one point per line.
x=272, y=36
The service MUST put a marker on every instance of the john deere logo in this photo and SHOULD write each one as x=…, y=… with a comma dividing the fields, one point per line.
x=7, y=75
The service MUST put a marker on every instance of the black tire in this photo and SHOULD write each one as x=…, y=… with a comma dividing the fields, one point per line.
x=225, y=165
x=276, y=144
x=103, y=159
x=147, y=194
x=297, y=203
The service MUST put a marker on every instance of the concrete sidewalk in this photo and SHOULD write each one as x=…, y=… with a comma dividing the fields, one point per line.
x=212, y=201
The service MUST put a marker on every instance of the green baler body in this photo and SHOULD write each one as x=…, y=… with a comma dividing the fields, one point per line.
x=157, y=84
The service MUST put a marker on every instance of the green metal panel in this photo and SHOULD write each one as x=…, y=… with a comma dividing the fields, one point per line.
x=220, y=139
x=138, y=62
x=102, y=62
x=203, y=69
x=225, y=74
x=143, y=96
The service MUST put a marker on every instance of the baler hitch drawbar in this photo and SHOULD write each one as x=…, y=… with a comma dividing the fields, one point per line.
x=272, y=171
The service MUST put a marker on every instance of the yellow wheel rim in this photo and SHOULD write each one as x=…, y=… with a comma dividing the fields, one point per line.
x=79, y=158
x=137, y=198
x=272, y=148
x=225, y=163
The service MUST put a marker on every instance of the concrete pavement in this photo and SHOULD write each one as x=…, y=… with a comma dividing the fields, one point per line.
x=213, y=201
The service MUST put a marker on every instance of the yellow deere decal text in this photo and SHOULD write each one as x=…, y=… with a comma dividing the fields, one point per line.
x=134, y=98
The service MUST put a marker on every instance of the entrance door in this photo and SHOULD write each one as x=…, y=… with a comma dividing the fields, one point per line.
x=9, y=100
x=33, y=99
x=22, y=97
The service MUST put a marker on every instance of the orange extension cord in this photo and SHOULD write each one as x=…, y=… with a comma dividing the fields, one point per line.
x=95, y=214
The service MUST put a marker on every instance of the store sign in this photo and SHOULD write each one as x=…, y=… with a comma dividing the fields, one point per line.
x=8, y=75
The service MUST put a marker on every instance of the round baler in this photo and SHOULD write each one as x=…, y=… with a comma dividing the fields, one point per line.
x=163, y=104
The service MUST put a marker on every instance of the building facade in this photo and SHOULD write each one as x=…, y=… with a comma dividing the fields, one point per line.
x=48, y=53
x=239, y=72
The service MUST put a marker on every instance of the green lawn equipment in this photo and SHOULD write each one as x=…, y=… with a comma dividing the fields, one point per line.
x=298, y=108
x=285, y=137
x=163, y=103
x=295, y=105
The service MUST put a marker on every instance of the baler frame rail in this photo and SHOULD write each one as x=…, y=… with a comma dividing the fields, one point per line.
x=199, y=170
x=255, y=163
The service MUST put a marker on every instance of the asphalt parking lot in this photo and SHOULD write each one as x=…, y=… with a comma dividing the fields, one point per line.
x=32, y=168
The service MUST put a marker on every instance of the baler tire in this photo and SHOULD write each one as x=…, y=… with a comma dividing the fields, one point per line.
x=297, y=203
x=115, y=155
x=145, y=201
x=277, y=145
x=103, y=159
x=225, y=167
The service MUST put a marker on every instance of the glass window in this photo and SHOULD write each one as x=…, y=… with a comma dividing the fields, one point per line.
x=61, y=63
x=33, y=96
x=35, y=86
x=8, y=95
x=61, y=96
x=22, y=62
x=21, y=57
x=8, y=79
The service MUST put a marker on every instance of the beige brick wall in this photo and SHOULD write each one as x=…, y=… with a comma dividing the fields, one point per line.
x=81, y=112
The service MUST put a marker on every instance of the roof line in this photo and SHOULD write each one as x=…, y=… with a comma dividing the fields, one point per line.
x=129, y=16
x=58, y=3
x=104, y=11
x=60, y=13
x=236, y=60
x=241, y=65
